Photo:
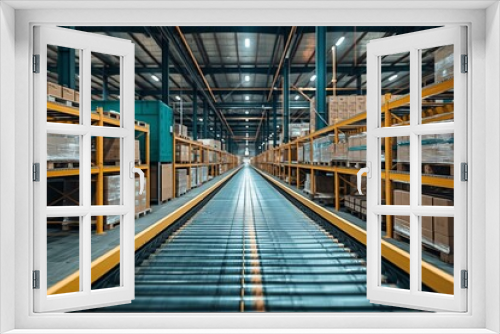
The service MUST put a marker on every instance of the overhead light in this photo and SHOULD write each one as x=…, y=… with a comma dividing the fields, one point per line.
x=277, y=126
x=246, y=126
x=246, y=134
x=247, y=42
x=246, y=119
x=340, y=41
x=393, y=77
x=247, y=78
x=247, y=97
x=200, y=119
x=296, y=97
x=313, y=77
x=155, y=78
x=178, y=98
x=246, y=112
x=211, y=129
x=259, y=147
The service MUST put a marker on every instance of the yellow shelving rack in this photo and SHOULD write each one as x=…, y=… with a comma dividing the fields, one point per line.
x=99, y=169
x=269, y=161
x=223, y=158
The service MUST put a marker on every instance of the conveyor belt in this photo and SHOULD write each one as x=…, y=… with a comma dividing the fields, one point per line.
x=250, y=249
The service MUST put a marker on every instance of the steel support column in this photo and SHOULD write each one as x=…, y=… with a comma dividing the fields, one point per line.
x=275, y=119
x=321, y=112
x=267, y=130
x=165, y=71
x=105, y=84
x=286, y=99
x=195, y=114
x=205, y=119
x=359, y=90
x=66, y=67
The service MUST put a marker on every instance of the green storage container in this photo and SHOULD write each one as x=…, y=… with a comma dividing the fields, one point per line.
x=159, y=116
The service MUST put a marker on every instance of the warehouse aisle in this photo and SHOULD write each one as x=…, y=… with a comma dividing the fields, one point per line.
x=249, y=249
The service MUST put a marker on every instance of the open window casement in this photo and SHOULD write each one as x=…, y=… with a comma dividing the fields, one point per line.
x=415, y=137
x=67, y=133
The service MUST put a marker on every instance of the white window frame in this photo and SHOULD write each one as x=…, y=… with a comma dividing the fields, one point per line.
x=472, y=14
x=414, y=43
x=84, y=44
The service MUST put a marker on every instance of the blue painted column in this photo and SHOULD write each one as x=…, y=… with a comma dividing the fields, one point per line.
x=195, y=114
x=105, y=85
x=205, y=119
x=286, y=99
x=165, y=70
x=321, y=112
x=66, y=67
x=275, y=119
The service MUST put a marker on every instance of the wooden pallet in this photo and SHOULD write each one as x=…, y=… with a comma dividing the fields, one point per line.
x=355, y=164
x=428, y=168
x=140, y=123
x=52, y=165
x=61, y=101
x=142, y=213
x=111, y=114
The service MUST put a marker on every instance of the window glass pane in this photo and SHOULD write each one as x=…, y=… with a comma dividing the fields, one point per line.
x=437, y=75
x=63, y=162
x=438, y=168
x=63, y=255
x=395, y=89
x=106, y=90
x=438, y=248
x=107, y=244
x=63, y=84
x=389, y=277
x=106, y=176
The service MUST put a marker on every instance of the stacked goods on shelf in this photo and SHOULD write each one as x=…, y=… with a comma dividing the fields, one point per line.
x=357, y=148
x=296, y=130
x=111, y=196
x=182, y=153
x=340, y=151
x=344, y=107
x=164, y=182
x=435, y=149
x=137, y=152
x=323, y=184
x=293, y=155
x=181, y=130
x=57, y=91
x=212, y=157
x=437, y=232
x=181, y=182
x=293, y=178
x=307, y=152
x=212, y=143
x=300, y=154
x=203, y=174
x=443, y=63
x=193, y=177
x=356, y=203
x=62, y=148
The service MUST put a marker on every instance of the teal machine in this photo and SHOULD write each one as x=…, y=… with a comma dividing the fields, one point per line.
x=160, y=118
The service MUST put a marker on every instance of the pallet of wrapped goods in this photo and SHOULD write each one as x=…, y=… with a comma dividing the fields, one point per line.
x=443, y=63
x=62, y=150
x=181, y=130
x=437, y=153
x=181, y=181
x=340, y=151
x=333, y=109
x=111, y=196
x=357, y=148
x=307, y=152
x=360, y=104
x=141, y=207
x=343, y=112
x=351, y=106
x=193, y=177
x=300, y=154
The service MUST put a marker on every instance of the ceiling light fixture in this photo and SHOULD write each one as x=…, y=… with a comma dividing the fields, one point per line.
x=393, y=77
x=296, y=97
x=246, y=112
x=155, y=78
x=313, y=77
x=247, y=97
x=246, y=126
x=246, y=119
x=178, y=98
x=340, y=41
x=200, y=119
x=247, y=42
x=247, y=78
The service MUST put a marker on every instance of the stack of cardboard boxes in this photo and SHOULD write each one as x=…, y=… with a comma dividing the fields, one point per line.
x=357, y=148
x=63, y=93
x=443, y=63
x=181, y=130
x=181, y=182
x=63, y=148
x=435, y=149
x=437, y=232
x=344, y=107
x=165, y=185
x=323, y=184
x=182, y=153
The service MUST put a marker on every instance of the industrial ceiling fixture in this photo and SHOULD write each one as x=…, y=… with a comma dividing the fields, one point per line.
x=247, y=42
x=340, y=41
x=178, y=98
x=246, y=119
x=155, y=78
x=246, y=112
x=200, y=119
x=296, y=97
x=247, y=97
x=247, y=78
x=246, y=126
x=313, y=77
x=393, y=77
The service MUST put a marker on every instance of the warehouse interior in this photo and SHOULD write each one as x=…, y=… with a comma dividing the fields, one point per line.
x=242, y=124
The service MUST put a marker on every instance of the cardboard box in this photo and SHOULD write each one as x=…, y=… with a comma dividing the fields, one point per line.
x=427, y=222
x=54, y=89
x=77, y=97
x=68, y=94
x=444, y=243
x=111, y=150
x=351, y=105
x=443, y=225
x=360, y=104
x=402, y=197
